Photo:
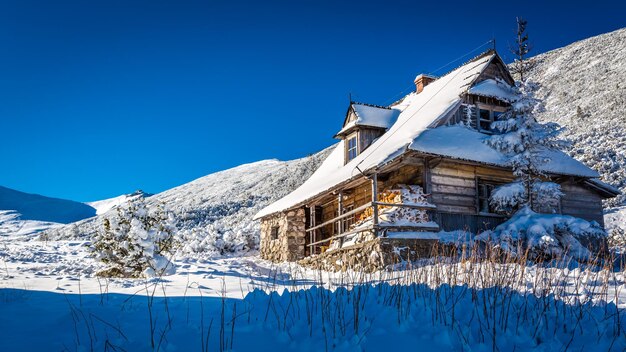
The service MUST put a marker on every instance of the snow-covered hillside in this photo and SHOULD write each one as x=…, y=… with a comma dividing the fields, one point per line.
x=214, y=213
x=25, y=214
x=102, y=206
x=584, y=89
x=41, y=208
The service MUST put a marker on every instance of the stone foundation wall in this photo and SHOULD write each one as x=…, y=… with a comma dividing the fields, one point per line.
x=289, y=244
x=372, y=255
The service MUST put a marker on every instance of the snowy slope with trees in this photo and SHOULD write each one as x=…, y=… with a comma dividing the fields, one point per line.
x=213, y=214
x=583, y=86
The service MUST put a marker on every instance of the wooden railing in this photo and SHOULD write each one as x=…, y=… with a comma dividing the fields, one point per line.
x=375, y=226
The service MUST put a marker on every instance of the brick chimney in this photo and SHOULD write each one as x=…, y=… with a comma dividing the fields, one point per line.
x=422, y=81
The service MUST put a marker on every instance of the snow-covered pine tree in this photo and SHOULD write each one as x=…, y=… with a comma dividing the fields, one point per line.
x=526, y=142
x=136, y=241
x=521, y=49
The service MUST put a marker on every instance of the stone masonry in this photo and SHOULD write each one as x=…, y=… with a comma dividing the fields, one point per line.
x=372, y=255
x=290, y=240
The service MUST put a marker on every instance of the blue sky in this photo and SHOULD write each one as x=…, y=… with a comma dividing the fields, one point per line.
x=101, y=98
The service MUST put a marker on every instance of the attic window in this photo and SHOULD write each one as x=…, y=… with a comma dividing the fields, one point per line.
x=487, y=115
x=274, y=232
x=485, y=119
x=352, y=151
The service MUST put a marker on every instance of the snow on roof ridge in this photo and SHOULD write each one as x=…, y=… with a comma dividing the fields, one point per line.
x=370, y=105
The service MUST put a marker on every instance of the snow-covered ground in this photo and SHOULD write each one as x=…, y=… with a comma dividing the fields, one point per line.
x=11, y=223
x=50, y=300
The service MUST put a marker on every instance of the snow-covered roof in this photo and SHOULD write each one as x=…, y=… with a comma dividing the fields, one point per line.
x=604, y=186
x=469, y=145
x=418, y=114
x=371, y=116
x=494, y=89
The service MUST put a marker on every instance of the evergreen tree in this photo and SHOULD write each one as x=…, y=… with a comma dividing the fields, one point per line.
x=135, y=242
x=522, y=48
x=526, y=142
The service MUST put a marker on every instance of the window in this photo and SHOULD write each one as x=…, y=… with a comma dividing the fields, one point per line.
x=274, y=232
x=484, y=189
x=485, y=119
x=352, y=148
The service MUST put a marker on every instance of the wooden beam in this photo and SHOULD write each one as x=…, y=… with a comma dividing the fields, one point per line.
x=413, y=206
x=375, y=201
x=367, y=228
x=344, y=215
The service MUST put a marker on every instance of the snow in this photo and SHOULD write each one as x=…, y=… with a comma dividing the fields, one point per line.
x=551, y=234
x=494, y=89
x=41, y=208
x=582, y=86
x=213, y=214
x=103, y=206
x=10, y=223
x=371, y=116
x=51, y=301
x=437, y=141
x=413, y=235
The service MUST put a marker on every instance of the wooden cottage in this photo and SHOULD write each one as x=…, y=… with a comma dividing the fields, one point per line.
x=431, y=141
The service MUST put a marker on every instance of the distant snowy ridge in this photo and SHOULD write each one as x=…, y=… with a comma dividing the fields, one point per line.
x=583, y=86
x=42, y=208
x=214, y=213
x=105, y=205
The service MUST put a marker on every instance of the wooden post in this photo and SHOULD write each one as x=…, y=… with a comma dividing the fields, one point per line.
x=339, y=213
x=312, y=235
x=374, y=205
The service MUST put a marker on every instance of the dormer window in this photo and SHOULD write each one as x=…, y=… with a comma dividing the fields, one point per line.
x=351, y=147
x=362, y=125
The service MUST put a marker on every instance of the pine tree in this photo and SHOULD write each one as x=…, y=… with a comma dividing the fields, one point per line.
x=522, y=48
x=135, y=241
x=526, y=142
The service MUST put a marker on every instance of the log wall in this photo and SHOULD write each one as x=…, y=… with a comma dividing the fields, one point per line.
x=581, y=202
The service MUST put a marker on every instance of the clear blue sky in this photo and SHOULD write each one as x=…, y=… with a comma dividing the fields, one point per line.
x=100, y=98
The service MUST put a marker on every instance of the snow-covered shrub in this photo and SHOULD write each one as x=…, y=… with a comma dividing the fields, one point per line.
x=546, y=196
x=617, y=240
x=546, y=236
x=136, y=241
x=507, y=198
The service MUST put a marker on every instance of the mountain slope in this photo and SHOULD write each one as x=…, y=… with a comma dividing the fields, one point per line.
x=214, y=213
x=102, y=206
x=41, y=208
x=583, y=86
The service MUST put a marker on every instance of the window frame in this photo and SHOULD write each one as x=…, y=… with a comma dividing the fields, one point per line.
x=355, y=137
x=493, y=183
x=274, y=232
x=492, y=116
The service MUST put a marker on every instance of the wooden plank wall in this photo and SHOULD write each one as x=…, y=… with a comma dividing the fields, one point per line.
x=581, y=202
x=453, y=186
x=453, y=189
